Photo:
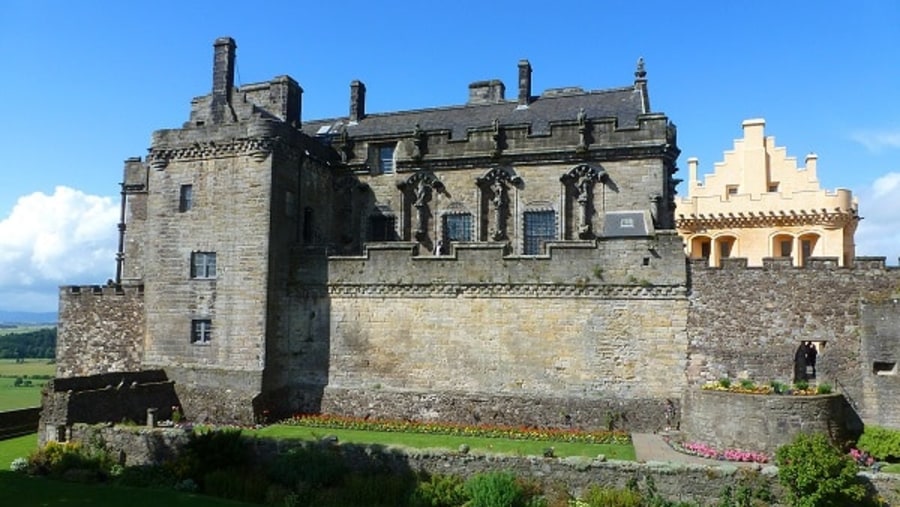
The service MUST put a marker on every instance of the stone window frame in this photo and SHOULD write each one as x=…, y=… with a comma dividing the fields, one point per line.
x=384, y=164
x=203, y=265
x=390, y=228
x=201, y=331
x=186, y=198
x=548, y=210
x=457, y=214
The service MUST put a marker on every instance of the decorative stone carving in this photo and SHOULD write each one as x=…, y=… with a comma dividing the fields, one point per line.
x=344, y=146
x=498, y=136
x=419, y=139
x=419, y=188
x=580, y=182
x=584, y=136
x=495, y=186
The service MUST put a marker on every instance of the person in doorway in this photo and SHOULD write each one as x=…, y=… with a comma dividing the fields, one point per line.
x=800, y=363
x=811, y=353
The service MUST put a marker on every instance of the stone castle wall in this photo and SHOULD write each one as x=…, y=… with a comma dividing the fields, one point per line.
x=762, y=423
x=100, y=330
x=748, y=322
x=879, y=358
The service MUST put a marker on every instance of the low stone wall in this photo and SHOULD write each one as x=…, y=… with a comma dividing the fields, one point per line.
x=464, y=408
x=757, y=422
x=111, y=397
x=14, y=423
x=684, y=482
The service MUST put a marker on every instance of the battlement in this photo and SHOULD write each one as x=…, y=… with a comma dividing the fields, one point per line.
x=102, y=290
x=647, y=261
x=859, y=264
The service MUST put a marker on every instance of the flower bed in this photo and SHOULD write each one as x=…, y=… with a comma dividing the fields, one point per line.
x=706, y=451
x=515, y=433
x=747, y=386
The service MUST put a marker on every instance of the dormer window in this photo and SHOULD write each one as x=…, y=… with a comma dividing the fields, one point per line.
x=386, y=159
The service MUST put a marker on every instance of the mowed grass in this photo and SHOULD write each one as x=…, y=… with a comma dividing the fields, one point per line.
x=12, y=397
x=430, y=441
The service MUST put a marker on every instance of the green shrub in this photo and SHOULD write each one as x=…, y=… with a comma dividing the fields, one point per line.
x=725, y=382
x=311, y=466
x=778, y=387
x=236, y=484
x=146, y=476
x=816, y=474
x=495, y=489
x=801, y=385
x=882, y=443
x=823, y=389
x=439, y=491
x=747, y=384
x=57, y=459
x=211, y=450
x=596, y=496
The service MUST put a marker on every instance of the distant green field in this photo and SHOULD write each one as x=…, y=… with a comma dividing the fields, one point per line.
x=12, y=397
x=24, y=329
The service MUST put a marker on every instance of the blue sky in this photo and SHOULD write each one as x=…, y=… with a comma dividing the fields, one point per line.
x=84, y=84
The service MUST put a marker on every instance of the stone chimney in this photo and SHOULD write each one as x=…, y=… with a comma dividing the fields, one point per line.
x=487, y=92
x=524, y=83
x=223, y=78
x=693, y=162
x=357, y=101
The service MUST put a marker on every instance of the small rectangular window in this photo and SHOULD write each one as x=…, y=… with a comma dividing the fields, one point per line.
x=884, y=368
x=201, y=331
x=203, y=265
x=186, y=199
x=382, y=228
x=773, y=187
x=386, y=159
x=730, y=190
x=540, y=227
x=458, y=227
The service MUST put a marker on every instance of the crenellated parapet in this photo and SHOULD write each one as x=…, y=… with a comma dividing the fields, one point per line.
x=859, y=265
x=100, y=329
x=613, y=268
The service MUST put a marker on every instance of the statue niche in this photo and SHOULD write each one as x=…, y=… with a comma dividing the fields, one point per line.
x=579, y=184
x=495, y=187
x=418, y=192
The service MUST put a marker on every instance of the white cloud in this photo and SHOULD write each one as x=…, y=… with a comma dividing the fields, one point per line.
x=877, y=140
x=65, y=238
x=879, y=231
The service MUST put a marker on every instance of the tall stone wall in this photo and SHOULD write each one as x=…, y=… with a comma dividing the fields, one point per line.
x=595, y=331
x=100, y=330
x=748, y=322
x=879, y=358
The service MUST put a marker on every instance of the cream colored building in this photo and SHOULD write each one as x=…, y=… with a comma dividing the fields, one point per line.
x=758, y=203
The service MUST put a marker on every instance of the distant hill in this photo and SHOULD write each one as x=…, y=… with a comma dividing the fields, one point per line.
x=10, y=318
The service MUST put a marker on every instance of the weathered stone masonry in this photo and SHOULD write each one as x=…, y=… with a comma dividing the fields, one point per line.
x=499, y=261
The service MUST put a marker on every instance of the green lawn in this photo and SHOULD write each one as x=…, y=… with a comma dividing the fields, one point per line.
x=19, y=447
x=12, y=397
x=429, y=441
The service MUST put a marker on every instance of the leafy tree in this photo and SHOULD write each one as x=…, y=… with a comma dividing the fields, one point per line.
x=816, y=474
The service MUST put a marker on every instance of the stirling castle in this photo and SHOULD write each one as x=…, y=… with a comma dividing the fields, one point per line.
x=506, y=261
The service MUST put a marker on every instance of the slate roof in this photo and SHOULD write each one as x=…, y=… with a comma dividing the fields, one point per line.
x=624, y=104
